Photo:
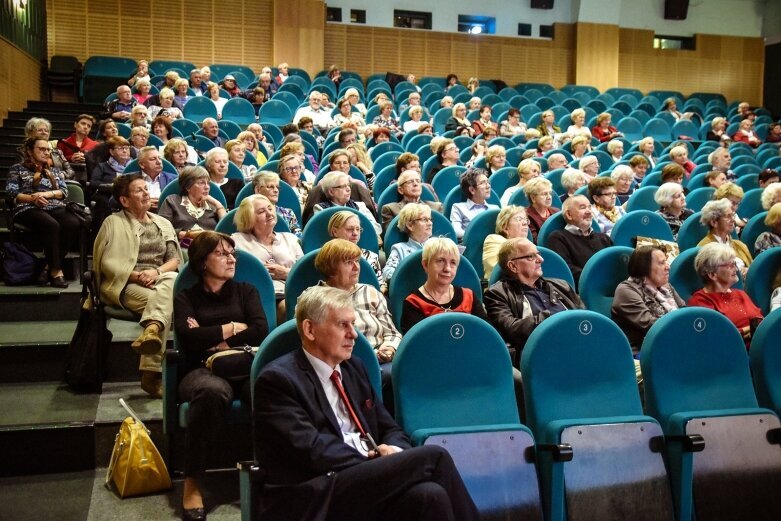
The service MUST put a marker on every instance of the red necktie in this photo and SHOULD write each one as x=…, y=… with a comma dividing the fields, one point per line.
x=337, y=380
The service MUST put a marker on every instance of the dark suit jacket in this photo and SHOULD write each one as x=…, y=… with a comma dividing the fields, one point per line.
x=298, y=441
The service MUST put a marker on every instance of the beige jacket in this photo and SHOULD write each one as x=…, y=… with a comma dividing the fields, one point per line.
x=116, y=251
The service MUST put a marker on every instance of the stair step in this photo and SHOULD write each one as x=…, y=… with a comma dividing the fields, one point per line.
x=39, y=355
x=54, y=417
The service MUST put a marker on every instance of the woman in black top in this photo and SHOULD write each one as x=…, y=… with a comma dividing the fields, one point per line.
x=213, y=315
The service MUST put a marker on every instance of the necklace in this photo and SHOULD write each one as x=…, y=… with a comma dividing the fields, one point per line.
x=427, y=293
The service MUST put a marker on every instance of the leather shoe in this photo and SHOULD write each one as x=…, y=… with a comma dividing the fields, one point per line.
x=58, y=282
x=149, y=342
x=152, y=383
x=194, y=514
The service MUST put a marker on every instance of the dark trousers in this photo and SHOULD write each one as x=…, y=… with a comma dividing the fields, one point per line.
x=210, y=398
x=421, y=483
x=57, y=229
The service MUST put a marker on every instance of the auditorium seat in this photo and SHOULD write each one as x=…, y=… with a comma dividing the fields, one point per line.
x=721, y=447
x=449, y=393
x=596, y=450
x=600, y=276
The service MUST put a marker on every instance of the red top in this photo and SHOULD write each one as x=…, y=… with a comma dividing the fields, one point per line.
x=68, y=145
x=735, y=304
x=603, y=134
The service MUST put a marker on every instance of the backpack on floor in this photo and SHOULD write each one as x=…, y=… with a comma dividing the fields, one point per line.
x=19, y=265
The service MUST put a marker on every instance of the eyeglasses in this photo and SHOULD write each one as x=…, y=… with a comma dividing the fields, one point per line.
x=530, y=257
x=424, y=220
x=43, y=149
x=225, y=254
x=342, y=186
x=608, y=194
x=520, y=219
x=411, y=181
x=292, y=169
x=733, y=264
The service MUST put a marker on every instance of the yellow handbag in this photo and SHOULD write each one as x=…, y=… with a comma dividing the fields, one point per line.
x=136, y=466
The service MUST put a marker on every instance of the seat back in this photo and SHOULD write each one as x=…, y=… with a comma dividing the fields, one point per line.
x=643, y=199
x=577, y=364
x=694, y=360
x=765, y=357
x=285, y=339
x=474, y=237
x=751, y=204
x=239, y=110
x=691, y=232
x=446, y=179
x=316, y=230
x=761, y=274
x=200, y=108
x=275, y=112
x=640, y=223
x=697, y=198
x=409, y=275
x=440, y=380
x=303, y=274
x=600, y=276
x=753, y=229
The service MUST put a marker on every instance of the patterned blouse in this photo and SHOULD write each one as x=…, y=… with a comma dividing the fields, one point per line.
x=22, y=181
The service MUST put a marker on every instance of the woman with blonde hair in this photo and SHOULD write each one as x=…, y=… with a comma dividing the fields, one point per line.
x=237, y=151
x=539, y=192
x=580, y=145
x=142, y=91
x=734, y=194
x=511, y=223
x=175, y=152
x=495, y=158
x=266, y=184
x=346, y=225
x=416, y=223
x=438, y=294
x=527, y=169
x=578, y=126
x=255, y=219
x=459, y=119
x=718, y=131
x=251, y=147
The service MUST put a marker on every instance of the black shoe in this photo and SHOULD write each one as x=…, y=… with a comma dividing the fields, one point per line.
x=194, y=514
x=58, y=282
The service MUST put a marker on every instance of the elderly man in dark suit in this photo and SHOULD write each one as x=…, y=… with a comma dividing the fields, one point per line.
x=317, y=419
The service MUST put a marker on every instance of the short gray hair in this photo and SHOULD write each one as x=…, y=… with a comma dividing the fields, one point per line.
x=32, y=125
x=622, y=171
x=263, y=177
x=188, y=177
x=212, y=154
x=315, y=302
x=535, y=186
x=769, y=195
x=714, y=210
x=710, y=257
x=331, y=179
x=586, y=160
x=665, y=193
x=613, y=144
x=570, y=178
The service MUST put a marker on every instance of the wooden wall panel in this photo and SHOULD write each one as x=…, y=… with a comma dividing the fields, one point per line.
x=20, y=78
x=181, y=30
x=298, y=38
x=368, y=50
x=596, y=55
x=732, y=66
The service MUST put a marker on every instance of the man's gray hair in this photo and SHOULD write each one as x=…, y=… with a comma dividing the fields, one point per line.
x=315, y=302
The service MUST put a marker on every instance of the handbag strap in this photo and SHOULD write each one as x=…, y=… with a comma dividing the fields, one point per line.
x=132, y=413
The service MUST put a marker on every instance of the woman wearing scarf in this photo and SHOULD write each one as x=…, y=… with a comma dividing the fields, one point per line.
x=602, y=192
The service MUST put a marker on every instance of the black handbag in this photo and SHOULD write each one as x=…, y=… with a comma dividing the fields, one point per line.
x=84, y=362
x=82, y=213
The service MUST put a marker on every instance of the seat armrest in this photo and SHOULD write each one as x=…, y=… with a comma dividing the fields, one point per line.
x=559, y=451
x=689, y=442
